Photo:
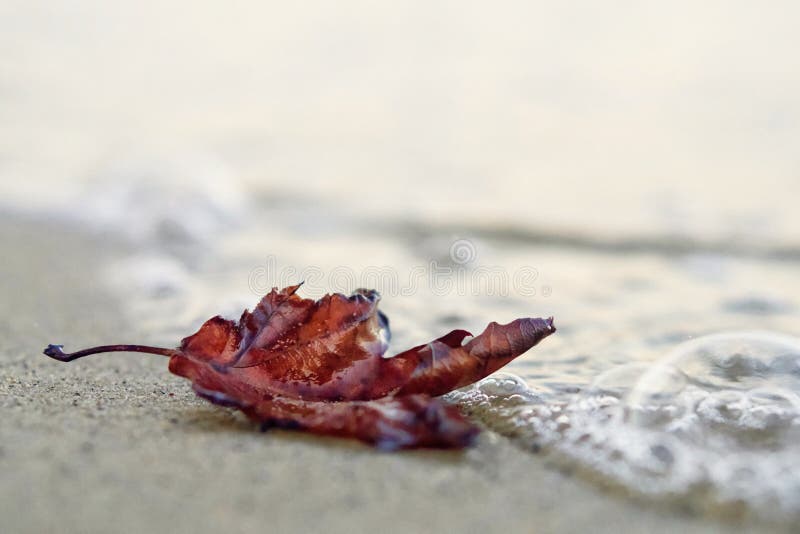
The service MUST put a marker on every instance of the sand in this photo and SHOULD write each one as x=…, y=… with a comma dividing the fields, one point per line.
x=118, y=444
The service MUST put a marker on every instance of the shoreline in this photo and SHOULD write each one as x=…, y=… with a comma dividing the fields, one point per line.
x=119, y=441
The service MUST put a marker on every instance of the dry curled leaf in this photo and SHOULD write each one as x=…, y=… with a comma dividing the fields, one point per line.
x=319, y=366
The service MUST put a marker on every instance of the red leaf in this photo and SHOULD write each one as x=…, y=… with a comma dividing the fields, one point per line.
x=319, y=366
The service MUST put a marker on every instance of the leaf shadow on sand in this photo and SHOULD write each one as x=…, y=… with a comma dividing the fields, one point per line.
x=209, y=419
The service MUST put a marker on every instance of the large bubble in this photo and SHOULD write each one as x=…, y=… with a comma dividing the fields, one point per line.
x=740, y=387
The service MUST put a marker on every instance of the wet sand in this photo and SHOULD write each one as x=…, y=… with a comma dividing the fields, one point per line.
x=118, y=444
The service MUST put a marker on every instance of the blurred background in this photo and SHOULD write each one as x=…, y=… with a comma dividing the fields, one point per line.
x=630, y=119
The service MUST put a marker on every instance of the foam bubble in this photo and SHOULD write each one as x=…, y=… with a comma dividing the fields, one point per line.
x=503, y=385
x=715, y=424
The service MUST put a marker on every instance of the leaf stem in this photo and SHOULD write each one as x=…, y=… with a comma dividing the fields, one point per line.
x=57, y=353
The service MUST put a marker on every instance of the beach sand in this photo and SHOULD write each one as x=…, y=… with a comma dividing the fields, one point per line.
x=118, y=444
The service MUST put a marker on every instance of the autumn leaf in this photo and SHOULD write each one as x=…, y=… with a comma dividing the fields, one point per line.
x=319, y=366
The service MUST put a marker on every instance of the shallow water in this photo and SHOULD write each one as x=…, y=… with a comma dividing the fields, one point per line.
x=714, y=424
x=638, y=388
